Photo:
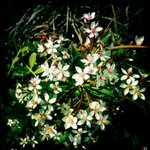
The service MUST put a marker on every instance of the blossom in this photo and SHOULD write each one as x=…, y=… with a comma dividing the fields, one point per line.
x=56, y=88
x=139, y=40
x=93, y=31
x=48, y=132
x=48, y=100
x=46, y=69
x=70, y=121
x=20, y=95
x=38, y=118
x=130, y=84
x=12, y=122
x=76, y=140
x=42, y=116
x=51, y=47
x=96, y=107
x=102, y=55
x=84, y=118
x=81, y=75
x=111, y=73
x=90, y=59
x=100, y=79
x=33, y=141
x=137, y=92
x=32, y=104
x=65, y=55
x=128, y=74
x=88, y=16
x=41, y=48
x=92, y=70
x=102, y=120
x=61, y=39
x=55, y=60
x=62, y=71
x=63, y=99
x=35, y=83
x=24, y=141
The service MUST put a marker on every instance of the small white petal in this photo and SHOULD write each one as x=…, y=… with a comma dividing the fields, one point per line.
x=124, y=71
x=98, y=29
x=135, y=97
x=142, y=96
x=126, y=91
x=87, y=30
x=92, y=15
x=52, y=100
x=78, y=69
x=123, y=85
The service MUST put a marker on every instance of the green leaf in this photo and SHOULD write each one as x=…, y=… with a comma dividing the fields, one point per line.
x=32, y=60
x=17, y=74
x=108, y=53
x=107, y=92
x=24, y=50
x=106, y=37
x=75, y=52
x=38, y=70
x=14, y=61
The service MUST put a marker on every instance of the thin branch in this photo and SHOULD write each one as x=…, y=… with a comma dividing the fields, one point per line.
x=127, y=46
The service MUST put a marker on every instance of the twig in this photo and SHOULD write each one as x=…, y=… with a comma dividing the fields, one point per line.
x=127, y=46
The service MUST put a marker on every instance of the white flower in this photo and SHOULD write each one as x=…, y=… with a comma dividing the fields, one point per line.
x=35, y=83
x=55, y=60
x=88, y=16
x=48, y=132
x=139, y=40
x=12, y=122
x=137, y=92
x=48, y=72
x=102, y=120
x=84, y=118
x=48, y=100
x=65, y=55
x=24, y=141
x=62, y=71
x=93, y=31
x=100, y=79
x=70, y=121
x=38, y=118
x=96, y=108
x=130, y=84
x=33, y=141
x=56, y=88
x=41, y=48
x=128, y=74
x=32, y=104
x=90, y=59
x=102, y=55
x=75, y=140
x=61, y=39
x=51, y=48
x=92, y=70
x=81, y=75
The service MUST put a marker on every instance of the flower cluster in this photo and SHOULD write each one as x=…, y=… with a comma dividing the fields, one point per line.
x=66, y=99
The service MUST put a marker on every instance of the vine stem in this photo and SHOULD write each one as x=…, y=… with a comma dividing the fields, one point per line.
x=127, y=46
